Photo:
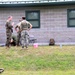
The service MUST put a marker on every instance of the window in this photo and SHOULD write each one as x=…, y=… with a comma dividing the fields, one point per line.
x=71, y=17
x=34, y=18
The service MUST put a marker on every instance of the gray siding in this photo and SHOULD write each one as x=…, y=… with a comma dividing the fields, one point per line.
x=53, y=23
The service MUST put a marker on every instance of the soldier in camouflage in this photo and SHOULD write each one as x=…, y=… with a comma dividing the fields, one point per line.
x=25, y=27
x=9, y=30
x=17, y=28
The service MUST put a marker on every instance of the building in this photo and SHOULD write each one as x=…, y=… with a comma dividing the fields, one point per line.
x=50, y=18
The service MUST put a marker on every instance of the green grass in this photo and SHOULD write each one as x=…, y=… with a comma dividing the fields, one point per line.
x=44, y=60
x=39, y=73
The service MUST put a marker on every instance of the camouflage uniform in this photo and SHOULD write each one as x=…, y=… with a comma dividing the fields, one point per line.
x=18, y=34
x=24, y=33
x=9, y=31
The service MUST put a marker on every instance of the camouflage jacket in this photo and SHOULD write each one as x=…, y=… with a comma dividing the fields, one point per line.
x=9, y=27
x=25, y=25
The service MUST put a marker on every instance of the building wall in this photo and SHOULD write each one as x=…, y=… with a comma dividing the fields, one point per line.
x=53, y=23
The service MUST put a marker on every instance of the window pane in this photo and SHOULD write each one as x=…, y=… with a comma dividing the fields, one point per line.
x=33, y=15
x=34, y=23
x=72, y=22
x=34, y=18
x=72, y=14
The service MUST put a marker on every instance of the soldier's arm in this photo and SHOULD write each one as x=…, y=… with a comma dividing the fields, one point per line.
x=30, y=25
x=16, y=28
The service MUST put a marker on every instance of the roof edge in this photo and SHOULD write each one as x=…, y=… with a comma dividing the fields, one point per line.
x=39, y=4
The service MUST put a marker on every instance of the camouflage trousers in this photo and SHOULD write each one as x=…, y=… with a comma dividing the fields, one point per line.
x=18, y=38
x=8, y=39
x=24, y=39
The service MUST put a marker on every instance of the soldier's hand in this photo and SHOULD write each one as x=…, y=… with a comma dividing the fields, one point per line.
x=12, y=23
x=17, y=30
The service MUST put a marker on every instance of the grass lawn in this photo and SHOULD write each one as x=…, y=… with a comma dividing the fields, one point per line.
x=44, y=60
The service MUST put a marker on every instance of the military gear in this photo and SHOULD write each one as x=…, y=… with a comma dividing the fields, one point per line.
x=18, y=38
x=9, y=26
x=25, y=25
x=8, y=32
x=24, y=38
x=18, y=33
